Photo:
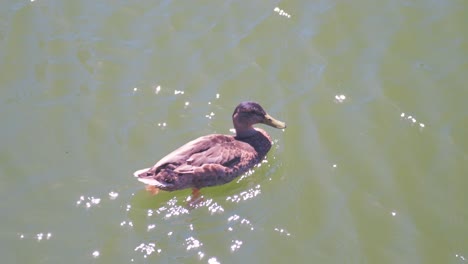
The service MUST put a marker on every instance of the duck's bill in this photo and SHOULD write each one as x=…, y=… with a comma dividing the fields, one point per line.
x=273, y=122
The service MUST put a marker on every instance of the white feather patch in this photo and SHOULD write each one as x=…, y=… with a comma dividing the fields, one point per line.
x=138, y=172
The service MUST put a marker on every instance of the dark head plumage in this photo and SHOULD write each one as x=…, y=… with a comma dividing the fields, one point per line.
x=250, y=113
x=249, y=107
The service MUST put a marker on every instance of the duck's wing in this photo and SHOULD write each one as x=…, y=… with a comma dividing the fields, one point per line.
x=177, y=157
x=205, y=161
x=225, y=154
x=212, y=149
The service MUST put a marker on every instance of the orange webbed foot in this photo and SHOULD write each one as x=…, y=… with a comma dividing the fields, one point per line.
x=195, y=199
x=153, y=190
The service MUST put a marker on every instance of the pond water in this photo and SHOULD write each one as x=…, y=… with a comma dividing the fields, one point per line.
x=371, y=169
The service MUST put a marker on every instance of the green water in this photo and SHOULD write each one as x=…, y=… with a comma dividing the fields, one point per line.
x=371, y=169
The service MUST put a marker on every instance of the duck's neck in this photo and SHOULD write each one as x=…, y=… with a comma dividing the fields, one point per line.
x=245, y=132
x=243, y=128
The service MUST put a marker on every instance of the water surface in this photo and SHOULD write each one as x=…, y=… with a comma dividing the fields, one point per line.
x=371, y=169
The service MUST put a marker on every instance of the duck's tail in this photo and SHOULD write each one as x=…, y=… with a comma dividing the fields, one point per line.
x=146, y=178
x=141, y=173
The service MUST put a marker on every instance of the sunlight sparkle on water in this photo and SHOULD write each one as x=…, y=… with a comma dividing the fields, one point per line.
x=201, y=254
x=236, y=245
x=247, y=174
x=460, y=257
x=157, y=89
x=172, y=209
x=213, y=207
x=96, y=254
x=282, y=231
x=210, y=116
x=246, y=195
x=129, y=223
x=113, y=195
x=192, y=243
x=88, y=202
x=281, y=12
x=243, y=221
x=213, y=260
x=411, y=119
x=148, y=249
x=340, y=98
x=176, y=210
x=39, y=236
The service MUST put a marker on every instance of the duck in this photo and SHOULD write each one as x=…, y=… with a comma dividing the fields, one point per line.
x=214, y=159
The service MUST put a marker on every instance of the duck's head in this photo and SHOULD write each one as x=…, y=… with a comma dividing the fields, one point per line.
x=248, y=114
